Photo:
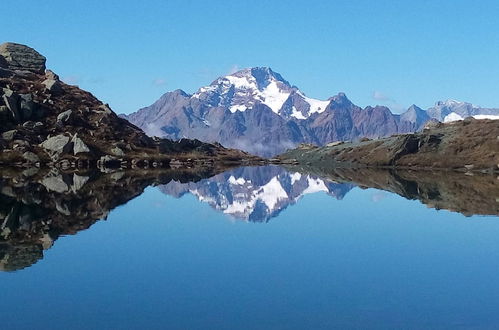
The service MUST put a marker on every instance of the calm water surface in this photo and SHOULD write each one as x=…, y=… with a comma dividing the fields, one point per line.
x=263, y=249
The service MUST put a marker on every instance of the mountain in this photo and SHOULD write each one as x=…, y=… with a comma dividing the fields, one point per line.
x=258, y=111
x=44, y=121
x=255, y=194
x=451, y=110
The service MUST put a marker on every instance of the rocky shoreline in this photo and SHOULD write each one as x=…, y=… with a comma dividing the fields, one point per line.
x=47, y=123
x=469, y=145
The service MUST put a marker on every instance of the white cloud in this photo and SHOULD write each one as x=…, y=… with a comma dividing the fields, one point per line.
x=72, y=80
x=234, y=69
x=380, y=96
x=159, y=82
x=388, y=101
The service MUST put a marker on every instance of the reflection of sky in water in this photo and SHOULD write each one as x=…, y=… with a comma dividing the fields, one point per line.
x=373, y=259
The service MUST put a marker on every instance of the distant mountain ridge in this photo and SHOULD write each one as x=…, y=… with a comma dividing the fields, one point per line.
x=257, y=110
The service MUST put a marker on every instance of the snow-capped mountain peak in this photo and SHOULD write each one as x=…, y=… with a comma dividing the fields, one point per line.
x=244, y=89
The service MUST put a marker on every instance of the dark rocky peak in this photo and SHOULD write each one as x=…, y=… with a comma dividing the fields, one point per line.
x=340, y=100
x=20, y=57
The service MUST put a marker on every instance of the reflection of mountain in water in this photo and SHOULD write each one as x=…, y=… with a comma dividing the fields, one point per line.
x=255, y=193
x=37, y=207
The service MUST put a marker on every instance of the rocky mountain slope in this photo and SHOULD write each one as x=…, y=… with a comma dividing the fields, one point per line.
x=44, y=121
x=468, y=145
x=257, y=110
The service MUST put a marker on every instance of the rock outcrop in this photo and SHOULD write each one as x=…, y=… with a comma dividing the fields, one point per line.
x=20, y=57
x=62, y=124
x=469, y=145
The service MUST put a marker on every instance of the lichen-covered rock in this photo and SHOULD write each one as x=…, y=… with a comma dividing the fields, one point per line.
x=79, y=146
x=56, y=144
x=21, y=57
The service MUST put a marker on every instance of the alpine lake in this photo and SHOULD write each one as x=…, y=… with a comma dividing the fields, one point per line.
x=251, y=248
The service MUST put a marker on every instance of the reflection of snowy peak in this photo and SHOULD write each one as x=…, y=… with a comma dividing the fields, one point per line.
x=255, y=194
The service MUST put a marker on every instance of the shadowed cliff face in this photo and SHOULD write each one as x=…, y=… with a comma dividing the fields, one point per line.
x=39, y=206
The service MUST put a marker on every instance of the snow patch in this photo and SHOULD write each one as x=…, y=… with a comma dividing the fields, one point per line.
x=274, y=97
x=493, y=117
x=452, y=117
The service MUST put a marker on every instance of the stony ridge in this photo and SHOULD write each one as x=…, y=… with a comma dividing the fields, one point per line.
x=45, y=122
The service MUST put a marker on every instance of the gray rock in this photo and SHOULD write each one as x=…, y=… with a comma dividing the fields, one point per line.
x=28, y=107
x=21, y=57
x=52, y=85
x=117, y=152
x=11, y=100
x=56, y=144
x=65, y=117
x=3, y=63
x=55, y=183
x=9, y=135
x=49, y=74
x=79, y=146
x=78, y=182
x=20, y=145
x=31, y=157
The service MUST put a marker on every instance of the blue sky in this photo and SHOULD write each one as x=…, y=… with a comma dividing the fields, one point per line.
x=397, y=53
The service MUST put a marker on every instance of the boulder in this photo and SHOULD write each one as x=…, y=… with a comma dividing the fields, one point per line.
x=49, y=74
x=11, y=100
x=21, y=57
x=65, y=117
x=57, y=144
x=79, y=146
x=52, y=85
x=28, y=107
x=55, y=183
x=78, y=182
x=3, y=63
x=9, y=135
x=116, y=151
x=31, y=157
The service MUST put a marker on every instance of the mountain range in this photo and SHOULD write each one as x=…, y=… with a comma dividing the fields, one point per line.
x=258, y=111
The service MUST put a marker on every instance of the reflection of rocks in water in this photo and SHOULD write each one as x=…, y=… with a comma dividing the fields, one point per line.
x=255, y=193
x=38, y=206
x=15, y=257
x=454, y=191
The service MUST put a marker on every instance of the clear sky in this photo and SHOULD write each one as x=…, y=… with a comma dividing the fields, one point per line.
x=397, y=53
